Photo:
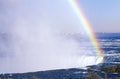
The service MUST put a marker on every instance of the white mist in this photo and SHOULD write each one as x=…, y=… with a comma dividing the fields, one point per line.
x=41, y=37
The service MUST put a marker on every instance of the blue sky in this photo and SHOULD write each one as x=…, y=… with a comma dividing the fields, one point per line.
x=104, y=15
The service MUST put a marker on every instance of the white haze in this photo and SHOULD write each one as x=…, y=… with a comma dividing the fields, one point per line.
x=37, y=38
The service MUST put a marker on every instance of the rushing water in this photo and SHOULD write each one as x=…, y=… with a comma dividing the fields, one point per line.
x=110, y=44
x=69, y=52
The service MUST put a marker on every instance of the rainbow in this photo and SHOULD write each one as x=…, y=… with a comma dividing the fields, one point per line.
x=87, y=27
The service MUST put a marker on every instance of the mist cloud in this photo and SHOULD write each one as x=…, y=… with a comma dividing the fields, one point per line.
x=33, y=39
